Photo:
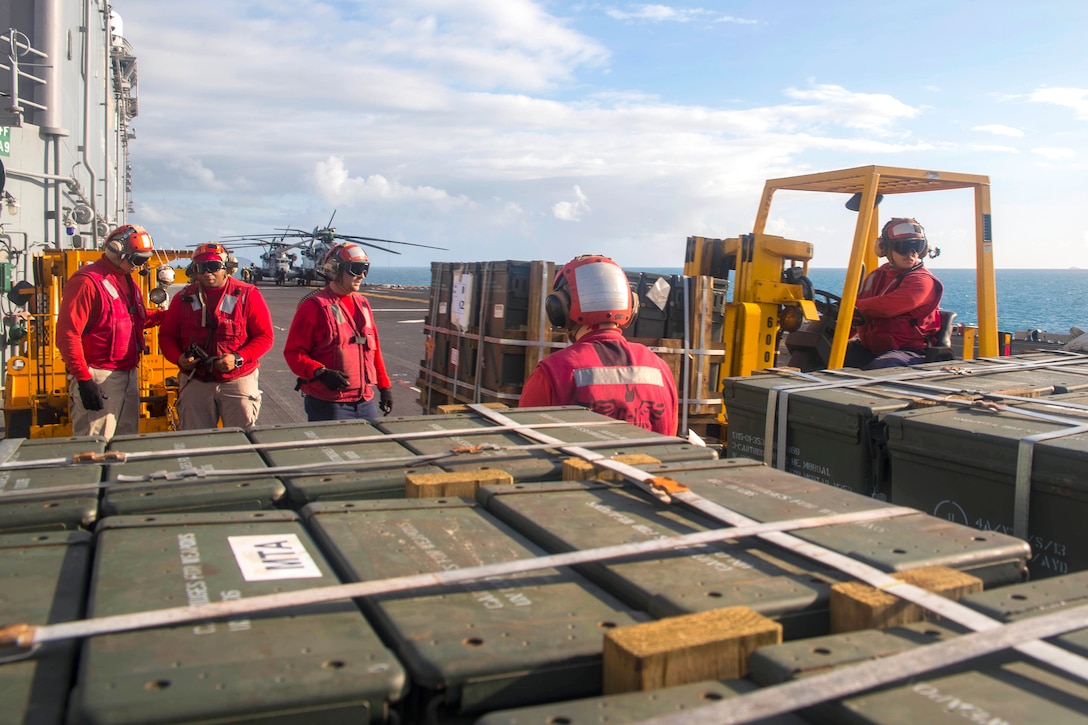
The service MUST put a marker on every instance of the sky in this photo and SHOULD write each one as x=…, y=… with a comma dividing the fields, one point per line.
x=540, y=129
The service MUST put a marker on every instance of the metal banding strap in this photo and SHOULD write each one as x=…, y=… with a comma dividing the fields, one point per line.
x=1025, y=455
x=628, y=375
x=185, y=476
x=316, y=442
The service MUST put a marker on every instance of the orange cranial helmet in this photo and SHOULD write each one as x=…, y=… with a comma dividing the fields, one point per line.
x=590, y=290
x=210, y=252
x=345, y=257
x=131, y=242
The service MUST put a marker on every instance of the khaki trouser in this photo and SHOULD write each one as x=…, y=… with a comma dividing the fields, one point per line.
x=120, y=414
x=202, y=404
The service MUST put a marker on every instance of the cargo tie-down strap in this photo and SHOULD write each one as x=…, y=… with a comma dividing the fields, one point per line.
x=30, y=636
x=946, y=608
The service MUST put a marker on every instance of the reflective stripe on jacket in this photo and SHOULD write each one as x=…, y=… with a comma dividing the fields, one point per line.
x=348, y=345
x=115, y=339
x=611, y=376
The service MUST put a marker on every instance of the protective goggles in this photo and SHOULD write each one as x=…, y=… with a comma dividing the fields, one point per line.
x=905, y=247
x=357, y=269
x=206, y=267
x=136, y=259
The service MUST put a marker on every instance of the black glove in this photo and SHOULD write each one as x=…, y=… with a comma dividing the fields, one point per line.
x=90, y=394
x=386, y=400
x=333, y=379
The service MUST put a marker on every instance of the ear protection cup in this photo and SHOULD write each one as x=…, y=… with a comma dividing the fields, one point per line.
x=115, y=243
x=557, y=307
x=634, y=310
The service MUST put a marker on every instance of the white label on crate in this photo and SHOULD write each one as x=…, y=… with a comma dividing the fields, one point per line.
x=455, y=356
x=442, y=308
x=461, y=301
x=268, y=557
x=500, y=309
x=659, y=293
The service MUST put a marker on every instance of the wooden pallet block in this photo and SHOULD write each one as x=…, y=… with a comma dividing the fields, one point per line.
x=452, y=483
x=576, y=469
x=855, y=606
x=711, y=645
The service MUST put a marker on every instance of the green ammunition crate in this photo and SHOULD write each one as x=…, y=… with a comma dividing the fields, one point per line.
x=541, y=464
x=43, y=580
x=367, y=481
x=47, y=510
x=961, y=463
x=1004, y=687
x=249, y=492
x=579, y=515
x=766, y=494
x=633, y=707
x=503, y=642
x=838, y=436
x=314, y=664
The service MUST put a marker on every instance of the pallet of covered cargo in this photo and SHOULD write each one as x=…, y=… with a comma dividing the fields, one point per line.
x=486, y=331
x=830, y=426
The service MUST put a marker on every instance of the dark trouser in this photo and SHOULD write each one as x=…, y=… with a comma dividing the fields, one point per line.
x=858, y=356
x=317, y=409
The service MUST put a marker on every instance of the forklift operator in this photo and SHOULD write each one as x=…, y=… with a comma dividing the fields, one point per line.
x=898, y=305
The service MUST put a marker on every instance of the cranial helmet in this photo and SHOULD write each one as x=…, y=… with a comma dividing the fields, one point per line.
x=589, y=290
x=903, y=235
x=342, y=256
x=210, y=252
x=131, y=242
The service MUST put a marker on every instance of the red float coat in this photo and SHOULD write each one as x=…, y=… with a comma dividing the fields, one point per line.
x=609, y=375
x=233, y=318
x=901, y=309
x=336, y=332
x=101, y=320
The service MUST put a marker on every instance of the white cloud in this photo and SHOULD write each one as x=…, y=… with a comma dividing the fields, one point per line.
x=194, y=169
x=572, y=211
x=668, y=14
x=998, y=129
x=337, y=186
x=1055, y=153
x=1075, y=98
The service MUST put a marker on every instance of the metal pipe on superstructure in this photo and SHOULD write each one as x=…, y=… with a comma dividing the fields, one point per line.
x=85, y=159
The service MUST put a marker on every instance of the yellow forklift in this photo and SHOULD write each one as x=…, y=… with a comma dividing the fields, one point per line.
x=35, y=382
x=773, y=302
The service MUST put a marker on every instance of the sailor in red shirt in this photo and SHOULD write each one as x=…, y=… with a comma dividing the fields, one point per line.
x=216, y=329
x=333, y=344
x=898, y=305
x=602, y=370
x=100, y=337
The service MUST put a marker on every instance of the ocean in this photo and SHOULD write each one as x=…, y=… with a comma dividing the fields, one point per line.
x=1052, y=300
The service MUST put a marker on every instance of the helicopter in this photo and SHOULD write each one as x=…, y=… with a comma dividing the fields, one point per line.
x=279, y=264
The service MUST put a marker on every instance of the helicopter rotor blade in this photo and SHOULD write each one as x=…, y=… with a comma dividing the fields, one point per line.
x=388, y=241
